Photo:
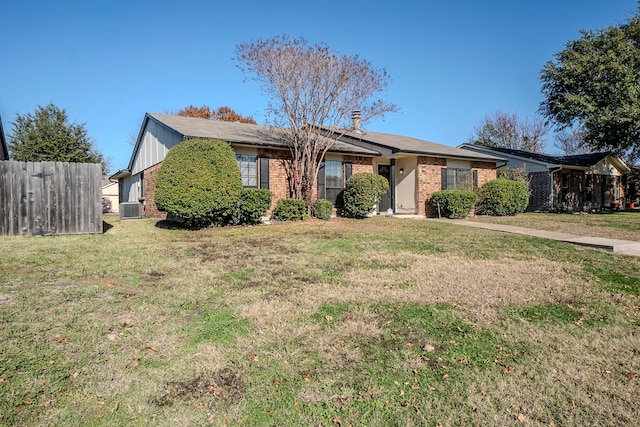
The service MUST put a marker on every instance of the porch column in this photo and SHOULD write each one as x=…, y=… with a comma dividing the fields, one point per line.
x=392, y=184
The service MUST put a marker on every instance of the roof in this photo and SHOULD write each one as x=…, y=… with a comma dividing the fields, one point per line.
x=240, y=133
x=4, y=153
x=577, y=160
x=406, y=144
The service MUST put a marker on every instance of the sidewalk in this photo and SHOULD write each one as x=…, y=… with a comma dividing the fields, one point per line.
x=625, y=247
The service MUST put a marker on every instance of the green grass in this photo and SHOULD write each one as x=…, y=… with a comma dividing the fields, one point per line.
x=377, y=322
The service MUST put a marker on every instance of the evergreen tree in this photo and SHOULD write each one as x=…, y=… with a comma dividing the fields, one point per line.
x=47, y=135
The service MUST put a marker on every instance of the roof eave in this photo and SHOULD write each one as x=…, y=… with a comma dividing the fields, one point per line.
x=123, y=173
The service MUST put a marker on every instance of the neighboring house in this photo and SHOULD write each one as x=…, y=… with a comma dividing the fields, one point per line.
x=110, y=193
x=4, y=153
x=414, y=168
x=583, y=181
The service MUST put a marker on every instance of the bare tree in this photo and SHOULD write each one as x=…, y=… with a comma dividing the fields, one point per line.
x=572, y=141
x=510, y=131
x=311, y=87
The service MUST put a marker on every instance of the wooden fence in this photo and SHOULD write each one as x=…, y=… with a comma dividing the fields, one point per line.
x=44, y=198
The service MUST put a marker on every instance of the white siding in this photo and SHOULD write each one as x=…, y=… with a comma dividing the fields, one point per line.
x=604, y=167
x=156, y=142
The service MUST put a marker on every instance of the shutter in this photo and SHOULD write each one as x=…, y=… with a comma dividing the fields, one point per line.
x=321, y=193
x=443, y=178
x=348, y=171
x=475, y=179
x=264, y=172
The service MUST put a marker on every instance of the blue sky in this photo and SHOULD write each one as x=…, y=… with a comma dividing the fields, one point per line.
x=452, y=63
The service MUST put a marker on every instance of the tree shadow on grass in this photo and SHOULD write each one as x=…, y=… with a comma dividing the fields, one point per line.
x=168, y=224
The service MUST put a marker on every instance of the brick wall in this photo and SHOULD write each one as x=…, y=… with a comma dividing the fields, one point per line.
x=541, y=189
x=429, y=180
x=486, y=172
x=278, y=181
x=359, y=164
x=149, y=186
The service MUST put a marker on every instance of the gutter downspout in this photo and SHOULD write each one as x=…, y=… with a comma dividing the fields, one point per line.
x=552, y=171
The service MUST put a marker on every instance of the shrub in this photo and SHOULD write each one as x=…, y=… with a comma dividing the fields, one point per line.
x=362, y=192
x=252, y=205
x=290, y=210
x=502, y=197
x=322, y=209
x=106, y=205
x=200, y=181
x=454, y=203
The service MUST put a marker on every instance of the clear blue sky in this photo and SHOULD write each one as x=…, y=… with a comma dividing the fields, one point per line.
x=452, y=62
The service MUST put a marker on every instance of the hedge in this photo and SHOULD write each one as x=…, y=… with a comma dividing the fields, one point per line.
x=502, y=197
x=199, y=180
x=322, y=209
x=290, y=210
x=454, y=203
x=362, y=192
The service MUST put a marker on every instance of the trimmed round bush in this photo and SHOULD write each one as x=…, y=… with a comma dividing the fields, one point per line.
x=502, y=197
x=322, y=209
x=252, y=205
x=199, y=181
x=362, y=192
x=454, y=203
x=290, y=210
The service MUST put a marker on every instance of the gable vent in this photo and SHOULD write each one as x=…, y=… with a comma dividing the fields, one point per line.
x=130, y=210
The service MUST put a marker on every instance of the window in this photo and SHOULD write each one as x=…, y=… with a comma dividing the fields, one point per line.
x=331, y=179
x=248, y=165
x=459, y=179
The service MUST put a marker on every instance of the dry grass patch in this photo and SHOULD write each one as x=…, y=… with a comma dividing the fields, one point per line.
x=483, y=286
x=377, y=322
x=611, y=225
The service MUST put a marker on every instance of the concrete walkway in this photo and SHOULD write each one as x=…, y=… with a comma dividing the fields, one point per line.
x=625, y=247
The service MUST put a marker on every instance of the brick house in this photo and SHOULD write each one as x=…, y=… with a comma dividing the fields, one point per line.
x=583, y=181
x=415, y=168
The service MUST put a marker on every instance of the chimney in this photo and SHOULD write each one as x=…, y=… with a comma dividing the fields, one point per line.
x=355, y=117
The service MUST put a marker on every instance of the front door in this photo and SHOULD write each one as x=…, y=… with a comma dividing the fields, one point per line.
x=385, y=200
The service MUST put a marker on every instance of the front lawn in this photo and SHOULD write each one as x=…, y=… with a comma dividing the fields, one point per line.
x=375, y=322
x=623, y=225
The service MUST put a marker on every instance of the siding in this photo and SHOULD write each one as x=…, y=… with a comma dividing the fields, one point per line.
x=156, y=141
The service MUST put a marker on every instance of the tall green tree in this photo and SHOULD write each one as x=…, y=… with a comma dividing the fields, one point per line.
x=594, y=84
x=47, y=135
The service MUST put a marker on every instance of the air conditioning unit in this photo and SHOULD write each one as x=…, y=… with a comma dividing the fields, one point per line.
x=130, y=210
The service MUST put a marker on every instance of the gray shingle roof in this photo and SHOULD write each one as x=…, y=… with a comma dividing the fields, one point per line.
x=240, y=133
x=406, y=144
x=579, y=160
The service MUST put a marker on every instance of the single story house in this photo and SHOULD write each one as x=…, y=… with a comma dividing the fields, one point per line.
x=110, y=193
x=583, y=181
x=415, y=168
x=4, y=152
